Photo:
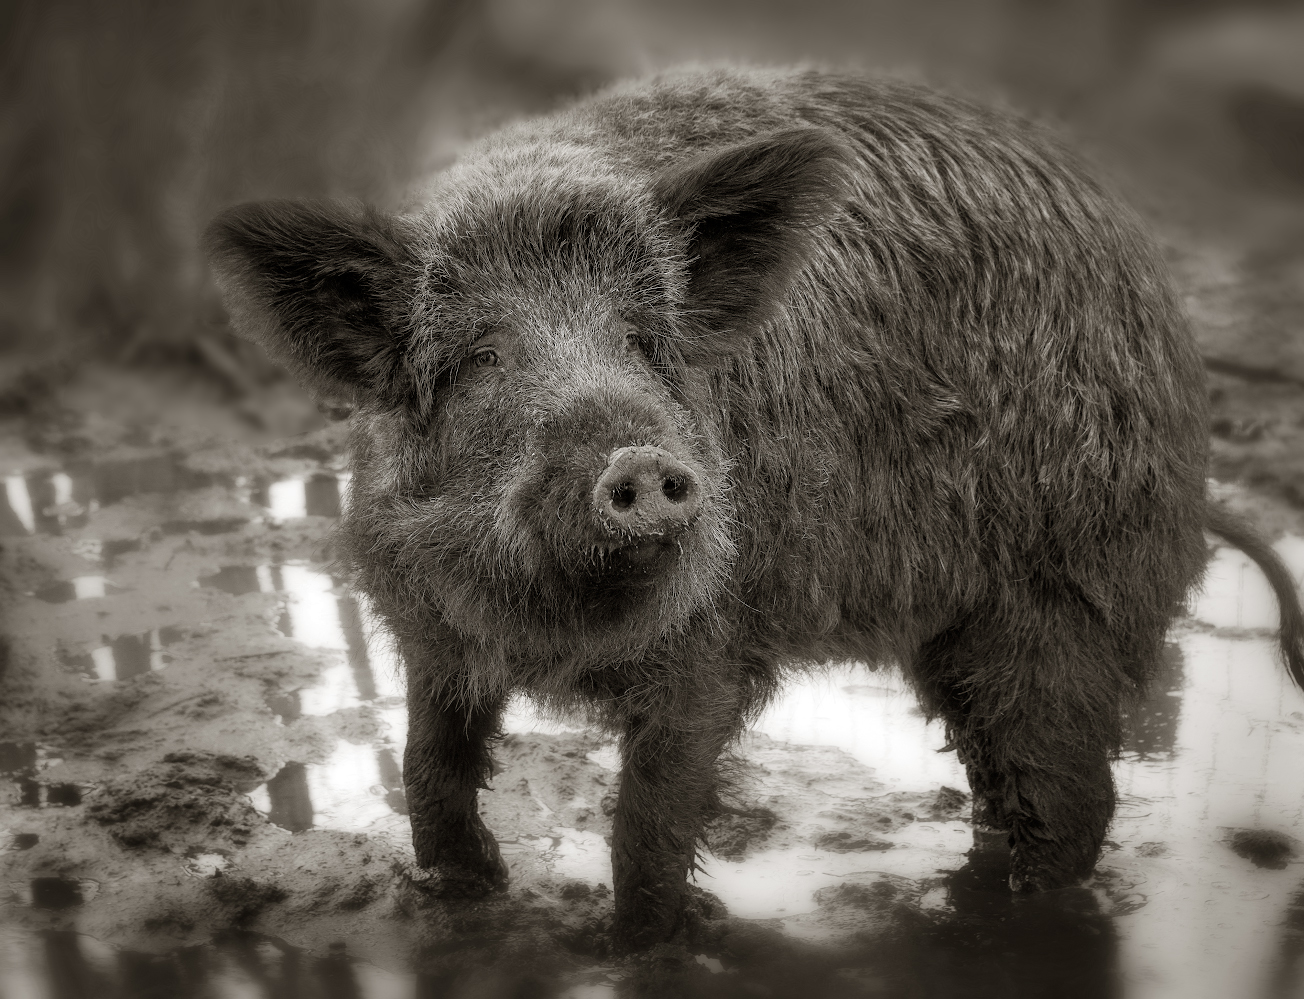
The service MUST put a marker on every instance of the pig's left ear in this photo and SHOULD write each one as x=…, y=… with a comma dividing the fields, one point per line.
x=323, y=287
x=750, y=210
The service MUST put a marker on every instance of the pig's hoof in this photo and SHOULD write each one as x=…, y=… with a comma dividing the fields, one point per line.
x=694, y=919
x=592, y=938
x=457, y=882
x=703, y=919
x=445, y=880
x=459, y=860
x=469, y=875
x=1028, y=878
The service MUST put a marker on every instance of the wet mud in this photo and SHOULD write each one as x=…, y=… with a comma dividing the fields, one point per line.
x=201, y=736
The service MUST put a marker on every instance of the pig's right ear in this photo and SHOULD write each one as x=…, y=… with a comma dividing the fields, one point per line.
x=323, y=287
x=750, y=212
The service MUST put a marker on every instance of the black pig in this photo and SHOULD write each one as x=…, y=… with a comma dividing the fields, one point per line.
x=728, y=374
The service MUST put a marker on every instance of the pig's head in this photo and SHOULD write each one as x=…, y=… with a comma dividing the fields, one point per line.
x=540, y=361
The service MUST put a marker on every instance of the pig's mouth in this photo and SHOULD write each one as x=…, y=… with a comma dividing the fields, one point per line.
x=617, y=581
x=636, y=564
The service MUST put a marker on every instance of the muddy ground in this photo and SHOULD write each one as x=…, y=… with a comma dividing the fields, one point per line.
x=201, y=733
x=200, y=790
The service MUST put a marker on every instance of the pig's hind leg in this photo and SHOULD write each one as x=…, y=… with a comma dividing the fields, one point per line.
x=446, y=762
x=1033, y=707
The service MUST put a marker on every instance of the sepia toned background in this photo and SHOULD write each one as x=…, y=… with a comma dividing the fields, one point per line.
x=201, y=728
x=125, y=126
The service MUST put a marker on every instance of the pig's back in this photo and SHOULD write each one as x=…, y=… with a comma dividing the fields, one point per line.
x=980, y=383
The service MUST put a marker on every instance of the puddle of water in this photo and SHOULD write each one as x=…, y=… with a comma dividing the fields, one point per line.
x=238, y=965
x=1213, y=750
x=871, y=715
x=1235, y=595
x=52, y=502
x=55, y=502
x=78, y=588
x=356, y=789
x=205, y=865
x=1151, y=726
x=56, y=893
x=319, y=495
x=18, y=758
x=574, y=853
x=125, y=656
x=21, y=764
x=40, y=795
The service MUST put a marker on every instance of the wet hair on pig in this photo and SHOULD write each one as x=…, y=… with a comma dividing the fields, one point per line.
x=729, y=373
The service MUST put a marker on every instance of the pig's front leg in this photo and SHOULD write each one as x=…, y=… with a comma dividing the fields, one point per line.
x=668, y=782
x=446, y=762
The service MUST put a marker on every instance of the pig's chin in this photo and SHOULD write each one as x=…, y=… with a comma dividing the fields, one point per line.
x=606, y=574
x=641, y=563
x=626, y=581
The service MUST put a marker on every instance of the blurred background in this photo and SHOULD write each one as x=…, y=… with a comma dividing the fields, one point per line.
x=125, y=126
x=168, y=624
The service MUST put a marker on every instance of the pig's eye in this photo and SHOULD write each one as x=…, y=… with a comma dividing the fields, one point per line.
x=484, y=358
x=636, y=344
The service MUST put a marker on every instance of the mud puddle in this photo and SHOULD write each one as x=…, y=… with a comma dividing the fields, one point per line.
x=201, y=744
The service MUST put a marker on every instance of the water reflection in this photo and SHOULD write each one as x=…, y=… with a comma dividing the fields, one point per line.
x=871, y=715
x=21, y=763
x=55, y=893
x=45, y=503
x=319, y=612
x=52, y=502
x=238, y=580
x=289, y=800
x=78, y=588
x=58, y=964
x=357, y=787
x=17, y=758
x=1286, y=974
x=983, y=941
x=17, y=515
x=51, y=893
x=126, y=656
x=319, y=495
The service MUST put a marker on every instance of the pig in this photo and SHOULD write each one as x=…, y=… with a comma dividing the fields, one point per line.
x=716, y=377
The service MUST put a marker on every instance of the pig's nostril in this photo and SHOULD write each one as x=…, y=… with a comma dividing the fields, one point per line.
x=646, y=492
x=623, y=496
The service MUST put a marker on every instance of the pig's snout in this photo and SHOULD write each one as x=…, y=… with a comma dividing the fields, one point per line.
x=647, y=492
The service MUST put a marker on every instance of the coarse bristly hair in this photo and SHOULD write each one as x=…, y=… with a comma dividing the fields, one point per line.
x=929, y=380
